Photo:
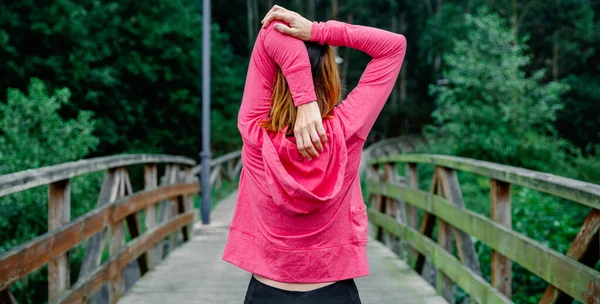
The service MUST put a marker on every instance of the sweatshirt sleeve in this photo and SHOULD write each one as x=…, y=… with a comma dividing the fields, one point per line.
x=362, y=106
x=273, y=49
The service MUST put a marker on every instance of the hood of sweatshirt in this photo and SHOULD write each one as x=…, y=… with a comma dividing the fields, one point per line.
x=300, y=186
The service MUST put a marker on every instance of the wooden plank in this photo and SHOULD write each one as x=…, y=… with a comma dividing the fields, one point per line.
x=450, y=188
x=133, y=226
x=151, y=182
x=574, y=190
x=389, y=175
x=377, y=201
x=19, y=181
x=117, y=242
x=501, y=213
x=585, y=248
x=83, y=290
x=32, y=255
x=59, y=214
x=411, y=211
x=217, y=161
x=444, y=283
x=427, y=224
x=575, y=279
x=479, y=290
x=95, y=246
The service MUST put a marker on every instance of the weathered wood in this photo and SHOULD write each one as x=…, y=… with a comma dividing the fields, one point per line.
x=577, y=191
x=479, y=290
x=133, y=226
x=427, y=224
x=6, y=297
x=24, y=259
x=151, y=182
x=377, y=201
x=108, y=194
x=59, y=214
x=83, y=290
x=585, y=248
x=19, y=181
x=167, y=207
x=117, y=242
x=575, y=279
x=411, y=211
x=450, y=188
x=390, y=204
x=444, y=283
x=501, y=213
x=217, y=161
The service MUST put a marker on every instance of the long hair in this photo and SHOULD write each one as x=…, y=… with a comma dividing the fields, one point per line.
x=326, y=80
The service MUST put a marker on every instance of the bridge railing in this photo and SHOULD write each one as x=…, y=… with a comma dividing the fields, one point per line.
x=396, y=199
x=167, y=210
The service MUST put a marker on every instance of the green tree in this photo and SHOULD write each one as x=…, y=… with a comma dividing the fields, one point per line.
x=135, y=64
x=492, y=110
x=34, y=135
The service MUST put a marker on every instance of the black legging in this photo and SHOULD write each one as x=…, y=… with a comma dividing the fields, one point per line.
x=341, y=292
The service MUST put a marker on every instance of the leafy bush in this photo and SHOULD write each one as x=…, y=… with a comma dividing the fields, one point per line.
x=34, y=135
x=492, y=110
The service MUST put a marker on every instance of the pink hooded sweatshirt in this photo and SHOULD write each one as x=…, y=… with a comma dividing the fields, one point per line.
x=297, y=220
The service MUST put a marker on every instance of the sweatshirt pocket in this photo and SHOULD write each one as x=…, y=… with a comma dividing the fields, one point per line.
x=360, y=222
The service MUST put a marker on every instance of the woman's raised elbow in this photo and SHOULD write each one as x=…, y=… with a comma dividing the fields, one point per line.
x=400, y=46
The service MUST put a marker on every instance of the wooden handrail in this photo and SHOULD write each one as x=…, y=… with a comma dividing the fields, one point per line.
x=19, y=181
x=393, y=212
x=574, y=190
x=118, y=206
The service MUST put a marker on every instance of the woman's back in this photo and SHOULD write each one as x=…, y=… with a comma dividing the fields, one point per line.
x=298, y=220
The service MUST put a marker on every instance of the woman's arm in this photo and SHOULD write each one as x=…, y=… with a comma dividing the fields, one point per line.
x=362, y=106
x=273, y=49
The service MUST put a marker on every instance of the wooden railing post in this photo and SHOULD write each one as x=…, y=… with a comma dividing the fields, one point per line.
x=450, y=189
x=59, y=214
x=151, y=182
x=445, y=287
x=377, y=201
x=188, y=201
x=117, y=242
x=412, y=179
x=95, y=245
x=501, y=213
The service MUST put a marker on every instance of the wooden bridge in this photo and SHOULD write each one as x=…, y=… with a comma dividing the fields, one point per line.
x=148, y=229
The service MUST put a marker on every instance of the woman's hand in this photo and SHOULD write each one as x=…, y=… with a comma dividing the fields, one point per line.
x=298, y=26
x=308, y=130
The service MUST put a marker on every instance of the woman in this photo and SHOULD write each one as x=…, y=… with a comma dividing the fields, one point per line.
x=300, y=225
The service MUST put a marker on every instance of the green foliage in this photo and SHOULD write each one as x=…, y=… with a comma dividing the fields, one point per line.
x=136, y=65
x=492, y=110
x=34, y=135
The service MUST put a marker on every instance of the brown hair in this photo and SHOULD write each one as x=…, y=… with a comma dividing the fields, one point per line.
x=326, y=80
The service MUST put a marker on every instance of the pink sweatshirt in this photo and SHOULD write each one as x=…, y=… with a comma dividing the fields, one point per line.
x=297, y=220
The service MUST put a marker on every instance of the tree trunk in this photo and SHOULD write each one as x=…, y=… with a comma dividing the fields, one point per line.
x=249, y=24
x=311, y=10
x=334, y=9
x=298, y=6
x=404, y=71
x=556, y=46
x=514, y=21
x=437, y=64
x=346, y=60
x=394, y=95
x=255, y=22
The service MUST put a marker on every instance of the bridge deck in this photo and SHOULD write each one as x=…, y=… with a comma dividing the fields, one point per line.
x=195, y=273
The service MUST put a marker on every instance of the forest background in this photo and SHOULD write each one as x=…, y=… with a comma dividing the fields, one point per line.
x=513, y=82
